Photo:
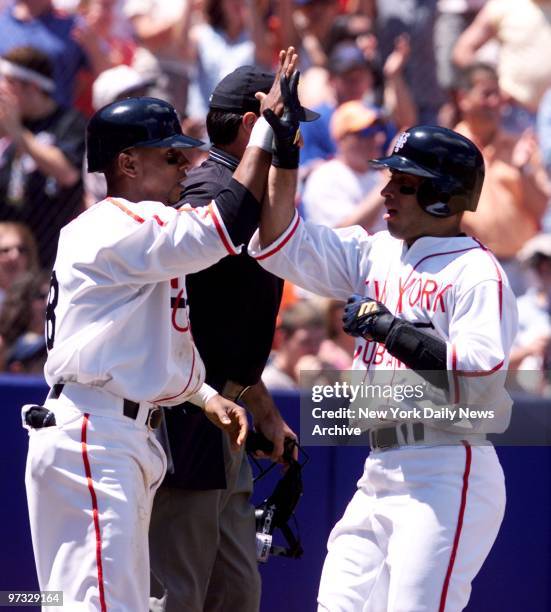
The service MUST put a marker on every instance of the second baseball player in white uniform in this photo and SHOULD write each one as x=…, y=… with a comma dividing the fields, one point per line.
x=431, y=498
x=120, y=345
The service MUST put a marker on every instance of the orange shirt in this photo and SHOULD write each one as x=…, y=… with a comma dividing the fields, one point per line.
x=501, y=221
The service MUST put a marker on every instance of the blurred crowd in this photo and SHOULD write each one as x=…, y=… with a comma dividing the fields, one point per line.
x=369, y=67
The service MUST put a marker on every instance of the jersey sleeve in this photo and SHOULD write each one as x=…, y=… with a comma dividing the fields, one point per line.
x=331, y=263
x=149, y=242
x=482, y=330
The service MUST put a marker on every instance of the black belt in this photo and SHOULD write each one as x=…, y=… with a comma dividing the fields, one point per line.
x=130, y=408
x=387, y=437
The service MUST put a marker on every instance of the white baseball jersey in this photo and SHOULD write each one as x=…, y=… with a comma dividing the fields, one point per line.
x=117, y=325
x=452, y=286
x=117, y=314
x=423, y=518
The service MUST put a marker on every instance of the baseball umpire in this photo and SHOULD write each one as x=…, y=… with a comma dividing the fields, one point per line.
x=120, y=345
x=202, y=533
x=425, y=297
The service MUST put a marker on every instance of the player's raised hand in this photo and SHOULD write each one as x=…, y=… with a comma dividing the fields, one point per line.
x=228, y=416
x=273, y=100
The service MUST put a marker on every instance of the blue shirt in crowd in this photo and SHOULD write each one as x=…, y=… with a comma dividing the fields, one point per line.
x=51, y=34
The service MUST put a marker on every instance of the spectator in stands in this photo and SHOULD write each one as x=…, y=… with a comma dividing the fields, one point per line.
x=35, y=23
x=523, y=29
x=104, y=47
x=233, y=34
x=346, y=190
x=532, y=348
x=18, y=254
x=299, y=334
x=165, y=52
x=22, y=320
x=97, y=34
x=311, y=24
x=41, y=150
x=118, y=83
x=352, y=77
x=393, y=18
x=337, y=350
x=544, y=130
x=27, y=355
x=515, y=191
x=452, y=18
x=354, y=28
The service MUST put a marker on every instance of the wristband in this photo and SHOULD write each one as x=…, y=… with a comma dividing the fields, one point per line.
x=287, y=158
x=202, y=396
x=261, y=135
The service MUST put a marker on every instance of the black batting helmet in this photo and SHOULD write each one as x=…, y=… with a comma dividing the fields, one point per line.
x=134, y=122
x=452, y=166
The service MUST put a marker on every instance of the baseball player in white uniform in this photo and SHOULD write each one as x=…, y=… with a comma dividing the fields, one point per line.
x=120, y=346
x=431, y=498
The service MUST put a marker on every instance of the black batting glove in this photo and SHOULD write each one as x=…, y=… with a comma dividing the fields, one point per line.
x=286, y=128
x=366, y=318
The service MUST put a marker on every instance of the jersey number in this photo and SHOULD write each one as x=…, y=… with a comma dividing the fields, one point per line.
x=50, y=311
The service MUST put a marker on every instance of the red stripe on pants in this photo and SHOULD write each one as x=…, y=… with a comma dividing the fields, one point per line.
x=95, y=512
x=466, y=473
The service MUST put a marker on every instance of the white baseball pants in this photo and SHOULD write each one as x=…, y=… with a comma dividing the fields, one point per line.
x=416, y=532
x=90, y=485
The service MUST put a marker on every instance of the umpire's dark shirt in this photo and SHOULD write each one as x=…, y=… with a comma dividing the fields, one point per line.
x=233, y=309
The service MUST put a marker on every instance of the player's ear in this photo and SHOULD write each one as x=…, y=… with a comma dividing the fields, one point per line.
x=128, y=163
x=248, y=121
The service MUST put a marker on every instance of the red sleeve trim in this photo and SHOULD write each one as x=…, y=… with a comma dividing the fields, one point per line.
x=280, y=245
x=459, y=527
x=126, y=210
x=476, y=373
x=134, y=216
x=221, y=229
x=469, y=373
x=95, y=511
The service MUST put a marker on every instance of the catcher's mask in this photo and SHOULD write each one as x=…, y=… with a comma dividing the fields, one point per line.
x=451, y=166
x=277, y=509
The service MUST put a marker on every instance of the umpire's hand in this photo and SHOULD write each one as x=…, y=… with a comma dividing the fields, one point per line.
x=230, y=417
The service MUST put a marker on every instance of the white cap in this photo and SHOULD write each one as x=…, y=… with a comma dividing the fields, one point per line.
x=115, y=82
x=540, y=244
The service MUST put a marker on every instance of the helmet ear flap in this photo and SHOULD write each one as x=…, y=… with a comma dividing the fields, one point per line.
x=433, y=196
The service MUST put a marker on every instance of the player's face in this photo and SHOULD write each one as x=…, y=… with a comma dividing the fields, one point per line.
x=405, y=218
x=160, y=172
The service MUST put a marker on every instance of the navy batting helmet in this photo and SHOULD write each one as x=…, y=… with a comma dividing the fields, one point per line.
x=134, y=122
x=452, y=166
